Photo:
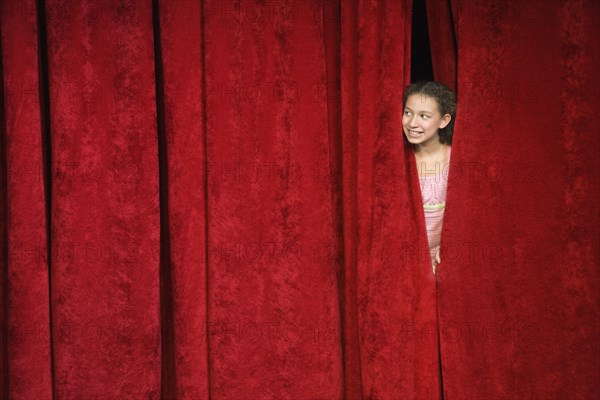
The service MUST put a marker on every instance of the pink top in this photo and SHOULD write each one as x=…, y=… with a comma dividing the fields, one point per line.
x=433, y=192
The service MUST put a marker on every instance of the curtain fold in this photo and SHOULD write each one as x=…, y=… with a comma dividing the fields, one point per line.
x=518, y=283
x=105, y=217
x=442, y=41
x=26, y=348
x=388, y=274
x=272, y=287
x=182, y=127
x=214, y=199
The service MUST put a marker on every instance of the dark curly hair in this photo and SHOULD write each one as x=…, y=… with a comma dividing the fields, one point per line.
x=445, y=98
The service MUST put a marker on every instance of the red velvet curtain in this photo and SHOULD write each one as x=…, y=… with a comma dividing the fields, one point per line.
x=214, y=199
x=518, y=287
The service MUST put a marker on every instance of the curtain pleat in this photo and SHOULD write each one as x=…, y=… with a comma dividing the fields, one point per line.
x=388, y=274
x=26, y=346
x=272, y=288
x=105, y=217
x=442, y=41
x=185, y=357
x=518, y=288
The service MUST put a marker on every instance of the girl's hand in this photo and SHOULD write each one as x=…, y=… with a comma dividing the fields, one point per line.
x=437, y=260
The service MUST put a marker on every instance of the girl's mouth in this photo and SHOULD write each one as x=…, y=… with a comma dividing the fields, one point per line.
x=414, y=133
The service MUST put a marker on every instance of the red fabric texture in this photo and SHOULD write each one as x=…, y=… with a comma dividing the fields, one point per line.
x=213, y=199
x=518, y=286
x=389, y=290
x=26, y=352
x=442, y=38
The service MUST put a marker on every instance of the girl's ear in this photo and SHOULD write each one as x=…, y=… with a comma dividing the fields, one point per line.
x=445, y=121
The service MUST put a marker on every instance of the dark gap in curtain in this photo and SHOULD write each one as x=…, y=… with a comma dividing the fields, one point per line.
x=332, y=28
x=439, y=346
x=168, y=378
x=205, y=184
x=332, y=9
x=44, y=93
x=454, y=39
x=440, y=19
x=353, y=380
x=421, y=66
x=3, y=234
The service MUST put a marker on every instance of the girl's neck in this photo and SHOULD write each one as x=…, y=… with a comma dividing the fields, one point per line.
x=430, y=148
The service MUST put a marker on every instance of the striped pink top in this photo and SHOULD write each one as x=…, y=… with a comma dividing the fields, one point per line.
x=433, y=192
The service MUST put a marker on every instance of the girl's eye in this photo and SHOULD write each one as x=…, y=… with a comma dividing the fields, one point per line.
x=425, y=116
x=406, y=112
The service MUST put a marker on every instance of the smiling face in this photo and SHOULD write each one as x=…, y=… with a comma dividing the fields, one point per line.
x=422, y=119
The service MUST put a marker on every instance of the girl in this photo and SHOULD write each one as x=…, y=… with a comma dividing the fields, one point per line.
x=428, y=120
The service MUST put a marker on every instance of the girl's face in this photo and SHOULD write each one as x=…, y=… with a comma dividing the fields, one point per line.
x=422, y=119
